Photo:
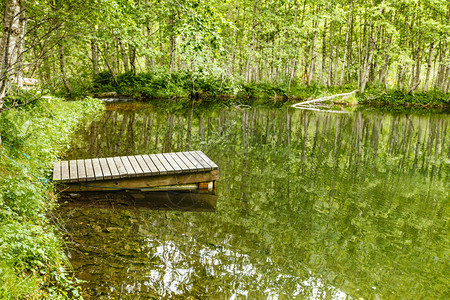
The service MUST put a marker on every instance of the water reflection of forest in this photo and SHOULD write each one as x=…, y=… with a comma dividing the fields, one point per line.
x=358, y=200
x=415, y=143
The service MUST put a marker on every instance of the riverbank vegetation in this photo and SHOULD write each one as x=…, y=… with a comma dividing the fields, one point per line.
x=145, y=86
x=32, y=262
x=272, y=49
x=392, y=52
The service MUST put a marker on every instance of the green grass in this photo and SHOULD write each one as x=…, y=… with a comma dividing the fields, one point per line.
x=32, y=263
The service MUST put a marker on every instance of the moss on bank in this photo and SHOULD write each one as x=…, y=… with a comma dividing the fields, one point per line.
x=32, y=262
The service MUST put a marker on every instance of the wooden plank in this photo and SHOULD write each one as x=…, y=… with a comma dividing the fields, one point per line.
x=176, y=168
x=65, y=176
x=57, y=171
x=194, y=161
x=165, y=163
x=97, y=169
x=73, y=171
x=134, y=163
x=145, y=169
x=105, y=168
x=158, y=164
x=128, y=167
x=180, y=162
x=113, y=168
x=90, y=175
x=151, y=165
x=81, y=170
x=200, y=160
x=189, y=165
x=145, y=182
x=208, y=160
x=120, y=167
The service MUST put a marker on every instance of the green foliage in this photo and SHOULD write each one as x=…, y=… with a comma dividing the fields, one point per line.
x=32, y=264
x=15, y=285
x=432, y=99
x=21, y=201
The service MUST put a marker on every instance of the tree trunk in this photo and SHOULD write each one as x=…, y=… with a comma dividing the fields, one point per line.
x=415, y=74
x=324, y=50
x=21, y=47
x=330, y=62
x=346, y=46
x=368, y=62
x=132, y=52
x=173, y=59
x=10, y=46
x=62, y=64
x=124, y=55
x=94, y=57
x=250, y=61
x=313, y=55
x=430, y=56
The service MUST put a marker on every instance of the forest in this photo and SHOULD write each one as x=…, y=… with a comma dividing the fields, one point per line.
x=303, y=196
x=176, y=48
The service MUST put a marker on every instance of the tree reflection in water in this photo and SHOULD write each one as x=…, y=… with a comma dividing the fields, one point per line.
x=310, y=205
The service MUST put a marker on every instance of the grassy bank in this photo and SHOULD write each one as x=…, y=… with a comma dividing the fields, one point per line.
x=183, y=84
x=32, y=263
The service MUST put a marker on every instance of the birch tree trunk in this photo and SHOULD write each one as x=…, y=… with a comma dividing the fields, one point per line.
x=430, y=56
x=313, y=55
x=124, y=56
x=10, y=45
x=324, y=50
x=330, y=61
x=341, y=80
x=132, y=53
x=172, y=41
x=62, y=64
x=368, y=62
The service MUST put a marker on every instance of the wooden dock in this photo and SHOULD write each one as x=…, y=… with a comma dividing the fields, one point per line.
x=137, y=172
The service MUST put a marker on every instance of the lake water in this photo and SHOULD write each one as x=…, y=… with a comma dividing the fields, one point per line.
x=309, y=205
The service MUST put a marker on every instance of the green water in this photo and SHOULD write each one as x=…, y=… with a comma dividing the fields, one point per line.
x=309, y=206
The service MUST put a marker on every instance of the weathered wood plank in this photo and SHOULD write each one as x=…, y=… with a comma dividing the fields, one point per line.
x=73, y=172
x=120, y=167
x=65, y=175
x=176, y=168
x=151, y=165
x=189, y=165
x=97, y=169
x=57, y=171
x=208, y=160
x=194, y=161
x=128, y=167
x=145, y=182
x=158, y=164
x=105, y=168
x=200, y=160
x=165, y=163
x=90, y=175
x=154, y=168
x=179, y=162
x=134, y=163
x=81, y=170
x=113, y=168
x=145, y=169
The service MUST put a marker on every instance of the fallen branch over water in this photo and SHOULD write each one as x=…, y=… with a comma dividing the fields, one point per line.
x=298, y=105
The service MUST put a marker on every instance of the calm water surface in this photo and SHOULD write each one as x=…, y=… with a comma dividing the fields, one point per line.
x=309, y=205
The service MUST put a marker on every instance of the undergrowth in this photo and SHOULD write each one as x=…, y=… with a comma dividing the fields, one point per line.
x=181, y=84
x=380, y=97
x=32, y=263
